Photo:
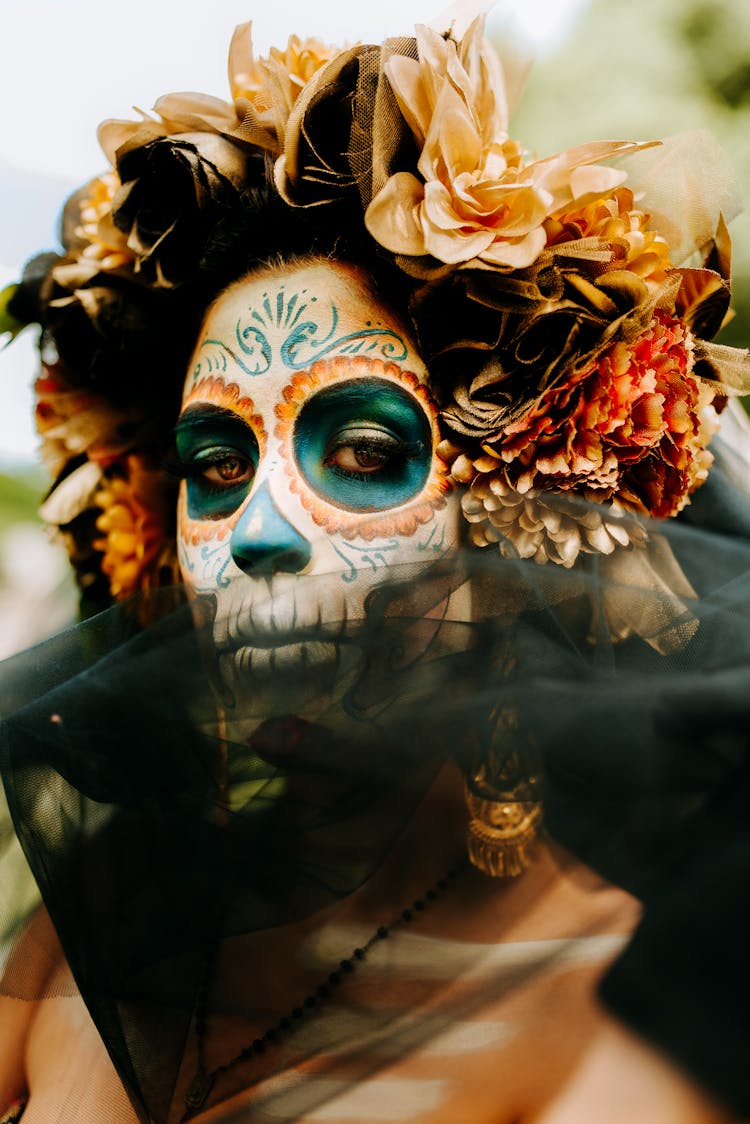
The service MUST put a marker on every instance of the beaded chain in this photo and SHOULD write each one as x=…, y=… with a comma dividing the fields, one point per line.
x=204, y=1080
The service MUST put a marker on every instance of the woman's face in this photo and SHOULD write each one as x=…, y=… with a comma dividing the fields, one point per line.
x=307, y=438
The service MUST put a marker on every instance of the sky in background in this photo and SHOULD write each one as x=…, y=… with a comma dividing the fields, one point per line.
x=66, y=64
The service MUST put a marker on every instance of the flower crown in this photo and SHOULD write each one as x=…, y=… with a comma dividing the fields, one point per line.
x=565, y=318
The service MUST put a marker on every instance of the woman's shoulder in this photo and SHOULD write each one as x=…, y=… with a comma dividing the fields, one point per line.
x=54, y=1068
x=71, y=1078
x=28, y=969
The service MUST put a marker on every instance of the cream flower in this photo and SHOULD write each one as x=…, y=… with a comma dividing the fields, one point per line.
x=544, y=526
x=477, y=199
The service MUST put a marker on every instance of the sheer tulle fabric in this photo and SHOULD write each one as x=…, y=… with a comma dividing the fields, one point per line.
x=169, y=805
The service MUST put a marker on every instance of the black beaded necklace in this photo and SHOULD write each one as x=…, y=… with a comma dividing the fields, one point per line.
x=205, y=1079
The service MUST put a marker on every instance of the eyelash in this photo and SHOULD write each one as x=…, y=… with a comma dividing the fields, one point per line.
x=397, y=452
x=195, y=468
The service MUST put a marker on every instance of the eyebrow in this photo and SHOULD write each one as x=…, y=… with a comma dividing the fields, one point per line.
x=198, y=413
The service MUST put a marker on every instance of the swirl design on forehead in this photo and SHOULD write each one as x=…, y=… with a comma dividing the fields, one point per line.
x=402, y=520
x=214, y=391
x=309, y=330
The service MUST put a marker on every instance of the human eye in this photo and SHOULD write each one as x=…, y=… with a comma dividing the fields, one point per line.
x=219, y=468
x=363, y=444
x=217, y=456
x=364, y=450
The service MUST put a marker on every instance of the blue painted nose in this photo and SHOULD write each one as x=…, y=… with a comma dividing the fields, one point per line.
x=263, y=542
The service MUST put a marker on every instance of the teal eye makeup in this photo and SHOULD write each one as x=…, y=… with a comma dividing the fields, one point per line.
x=363, y=445
x=217, y=455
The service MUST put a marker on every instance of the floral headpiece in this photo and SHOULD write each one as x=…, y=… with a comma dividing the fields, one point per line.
x=564, y=312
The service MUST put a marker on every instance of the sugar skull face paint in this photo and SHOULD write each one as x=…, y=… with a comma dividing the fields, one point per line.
x=307, y=440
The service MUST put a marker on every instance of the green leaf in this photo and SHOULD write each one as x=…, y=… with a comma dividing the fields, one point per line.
x=9, y=325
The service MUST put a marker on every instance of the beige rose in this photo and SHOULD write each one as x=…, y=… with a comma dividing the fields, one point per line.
x=476, y=199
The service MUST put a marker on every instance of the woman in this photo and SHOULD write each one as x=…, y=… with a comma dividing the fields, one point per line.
x=247, y=820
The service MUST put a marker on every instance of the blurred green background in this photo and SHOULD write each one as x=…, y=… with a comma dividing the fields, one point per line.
x=37, y=595
x=20, y=492
x=648, y=69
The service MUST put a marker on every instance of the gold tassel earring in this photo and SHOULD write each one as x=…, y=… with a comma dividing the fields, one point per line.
x=503, y=795
x=505, y=820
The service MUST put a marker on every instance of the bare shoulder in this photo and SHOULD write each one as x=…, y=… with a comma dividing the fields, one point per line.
x=15, y=1019
x=50, y=1050
x=32, y=962
x=71, y=1078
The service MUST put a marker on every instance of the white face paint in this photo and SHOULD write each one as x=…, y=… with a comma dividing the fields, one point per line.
x=307, y=439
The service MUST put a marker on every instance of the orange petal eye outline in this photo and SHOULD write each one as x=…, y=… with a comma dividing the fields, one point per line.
x=215, y=391
x=401, y=520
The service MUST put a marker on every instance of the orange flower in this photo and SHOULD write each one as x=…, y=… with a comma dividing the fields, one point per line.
x=72, y=421
x=632, y=425
x=133, y=525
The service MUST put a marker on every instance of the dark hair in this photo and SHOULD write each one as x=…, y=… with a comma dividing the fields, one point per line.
x=130, y=340
x=135, y=351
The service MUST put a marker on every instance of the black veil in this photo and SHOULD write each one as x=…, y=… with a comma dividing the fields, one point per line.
x=162, y=815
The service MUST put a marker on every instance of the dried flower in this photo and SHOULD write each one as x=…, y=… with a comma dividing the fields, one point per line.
x=565, y=318
x=314, y=166
x=181, y=171
x=544, y=526
x=263, y=92
x=174, y=191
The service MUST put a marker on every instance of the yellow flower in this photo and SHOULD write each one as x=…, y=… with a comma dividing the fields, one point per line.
x=477, y=198
x=265, y=89
x=93, y=242
x=617, y=221
x=258, y=80
x=104, y=243
x=133, y=526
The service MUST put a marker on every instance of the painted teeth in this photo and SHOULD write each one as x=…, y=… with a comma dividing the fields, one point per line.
x=251, y=662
